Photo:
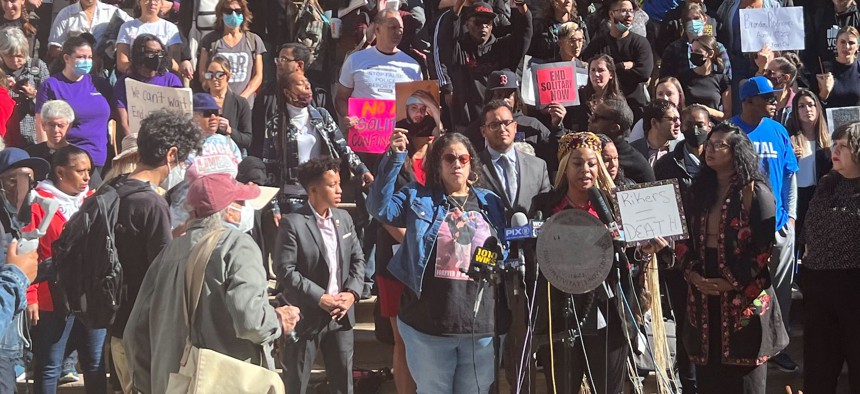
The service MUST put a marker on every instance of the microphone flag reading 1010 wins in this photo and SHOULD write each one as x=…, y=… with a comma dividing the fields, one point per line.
x=575, y=251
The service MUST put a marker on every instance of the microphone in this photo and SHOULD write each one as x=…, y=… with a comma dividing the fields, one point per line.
x=606, y=216
x=484, y=260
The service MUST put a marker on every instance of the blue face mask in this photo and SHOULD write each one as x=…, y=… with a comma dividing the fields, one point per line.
x=233, y=20
x=622, y=27
x=695, y=27
x=83, y=66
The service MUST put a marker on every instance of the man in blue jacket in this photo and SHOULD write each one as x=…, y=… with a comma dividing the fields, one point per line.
x=779, y=163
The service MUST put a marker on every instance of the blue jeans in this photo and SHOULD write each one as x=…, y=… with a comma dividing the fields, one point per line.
x=50, y=337
x=448, y=364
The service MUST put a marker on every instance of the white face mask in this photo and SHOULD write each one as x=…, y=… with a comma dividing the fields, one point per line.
x=246, y=221
x=175, y=175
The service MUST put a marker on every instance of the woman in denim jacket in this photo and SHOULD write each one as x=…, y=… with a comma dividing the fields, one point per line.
x=447, y=343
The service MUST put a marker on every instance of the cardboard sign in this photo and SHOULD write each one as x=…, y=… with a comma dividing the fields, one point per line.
x=555, y=83
x=650, y=210
x=375, y=124
x=841, y=116
x=779, y=28
x=144, y=98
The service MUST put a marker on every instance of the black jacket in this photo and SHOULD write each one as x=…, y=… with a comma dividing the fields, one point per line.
x=238, y=112
x=672, y=166
x=634, y=165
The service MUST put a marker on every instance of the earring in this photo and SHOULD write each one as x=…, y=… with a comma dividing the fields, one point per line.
x=473, y=174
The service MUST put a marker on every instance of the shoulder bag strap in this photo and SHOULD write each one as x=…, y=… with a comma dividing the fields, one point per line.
x=194, y=274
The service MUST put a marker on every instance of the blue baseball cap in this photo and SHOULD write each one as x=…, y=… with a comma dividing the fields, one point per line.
x=204, y=102
x=11, y=158
x=757, y=86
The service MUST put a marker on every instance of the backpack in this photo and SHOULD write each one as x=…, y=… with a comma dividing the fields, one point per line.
x=310, y=27
x=88, y=267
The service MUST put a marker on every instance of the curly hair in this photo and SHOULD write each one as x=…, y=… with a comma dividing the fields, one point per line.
x=311, y=171
x=165, y=129
x=138, y=54
x=703, y=191
x=433, y=160
x=655, y=110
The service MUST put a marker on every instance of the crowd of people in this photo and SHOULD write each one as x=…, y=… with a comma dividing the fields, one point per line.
x=768, y=187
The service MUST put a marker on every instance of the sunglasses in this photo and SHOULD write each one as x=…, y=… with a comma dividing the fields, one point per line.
x=209, y=113
x=228, y=11
x=450, y=158
x=770, y=98
x=215, y=75
x=152, y=55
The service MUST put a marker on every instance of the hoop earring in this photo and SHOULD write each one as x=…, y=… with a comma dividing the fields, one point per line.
x=472, y=174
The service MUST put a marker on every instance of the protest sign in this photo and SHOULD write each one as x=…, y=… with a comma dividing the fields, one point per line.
x=779, y=28
x=841, y=116
x=649, y=210
x=527, y=89
x=144, y=98
x=375, y=124
x=555, y=83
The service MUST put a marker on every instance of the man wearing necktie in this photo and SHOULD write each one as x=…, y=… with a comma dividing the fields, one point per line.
x=516, y=177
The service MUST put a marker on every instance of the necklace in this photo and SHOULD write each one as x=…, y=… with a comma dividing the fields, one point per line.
x=575, y=205
x=456, y=204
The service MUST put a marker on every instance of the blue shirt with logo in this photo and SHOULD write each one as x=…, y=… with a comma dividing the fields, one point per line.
x=776, y=156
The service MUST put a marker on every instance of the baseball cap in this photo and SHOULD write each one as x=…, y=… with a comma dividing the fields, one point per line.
x=481, y=9
x=210, y=194
x=757, y=86
x=504, y=79
x=11, y=158
x=204, y=102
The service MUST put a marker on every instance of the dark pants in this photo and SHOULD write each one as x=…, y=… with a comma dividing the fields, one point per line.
x=804, y=195
x=717, y=377
x=45, y=14
x=676, y=290
x=50, y=338
x=831, y=329
x=336, y=343
x=7, y=375
x=607, y=360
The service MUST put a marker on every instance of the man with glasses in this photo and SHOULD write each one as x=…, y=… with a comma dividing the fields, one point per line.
x=614, y=119
x=516, y=177
x=779, y=163
x=664, y=128
x=631, y=52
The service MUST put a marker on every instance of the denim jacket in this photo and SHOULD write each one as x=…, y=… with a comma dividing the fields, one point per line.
x=13, y=300
x=421, y=211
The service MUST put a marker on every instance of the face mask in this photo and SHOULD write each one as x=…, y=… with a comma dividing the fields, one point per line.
x=695, y=27
x=175, y=176
x=697, y=59
x=152, y=63
x=696, y=136
x=233, y=21
x=622, y=27
x=83, y=66
x=246, y=221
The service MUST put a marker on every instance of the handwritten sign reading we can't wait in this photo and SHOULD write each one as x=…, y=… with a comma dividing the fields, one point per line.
x=376, y=119
x=781, y=29
x=650, y=210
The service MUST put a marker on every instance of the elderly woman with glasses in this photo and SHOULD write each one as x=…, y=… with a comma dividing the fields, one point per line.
x=831, y=270
x=233, y=40
x=733, y=324
x=149, y=64
x=448, y=347
x=24, y=75
x=57, y=117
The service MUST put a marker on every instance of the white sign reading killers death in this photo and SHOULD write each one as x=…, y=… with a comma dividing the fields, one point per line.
x=650, y=210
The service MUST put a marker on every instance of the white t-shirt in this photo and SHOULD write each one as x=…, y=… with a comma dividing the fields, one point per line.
x=167, y=32
x=72, y=21
x=806, y=174
x=373, y=74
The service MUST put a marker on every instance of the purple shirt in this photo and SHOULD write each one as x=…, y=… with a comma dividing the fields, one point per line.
x=92, y=99
x=167, y=80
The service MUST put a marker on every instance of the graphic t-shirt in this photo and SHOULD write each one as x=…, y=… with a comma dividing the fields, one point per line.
x=448, y=295
x=240, y=56
x=372, y=74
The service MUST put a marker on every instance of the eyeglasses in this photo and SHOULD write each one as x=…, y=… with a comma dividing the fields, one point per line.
x=450, y=158
x=770, y=98
x=152, y=55
x=215, y=75
x=228, y=11
x=497, y=125
x=716, y=146
x=284, y=59
x=673, y=119
x=625, y=11
x=209, y=113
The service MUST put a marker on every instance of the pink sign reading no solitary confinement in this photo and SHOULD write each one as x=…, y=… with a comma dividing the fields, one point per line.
x=376, y=120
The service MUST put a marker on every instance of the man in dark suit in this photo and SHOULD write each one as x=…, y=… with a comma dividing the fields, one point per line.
x=513, y=175
x=516, y=177
x=321, y=268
